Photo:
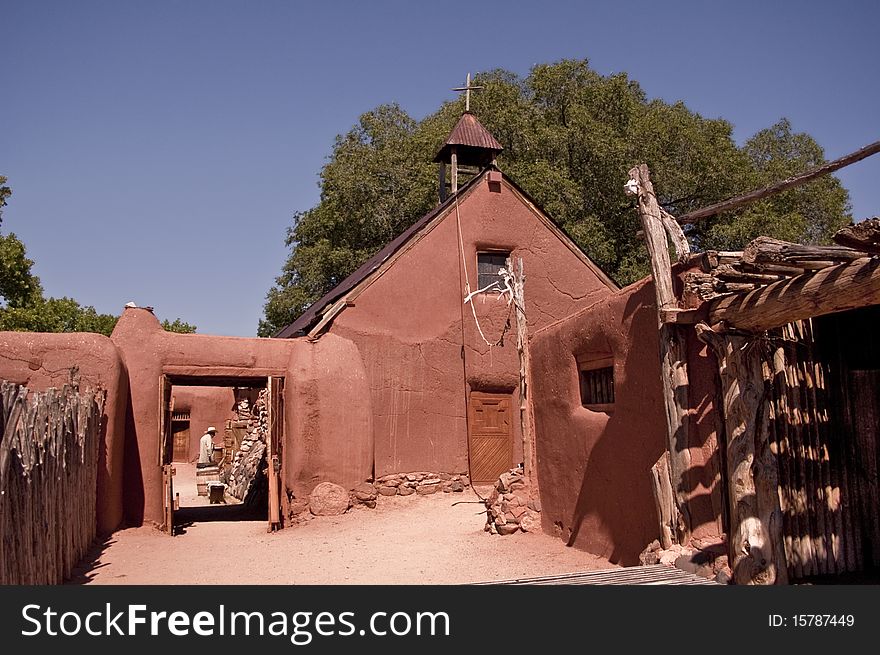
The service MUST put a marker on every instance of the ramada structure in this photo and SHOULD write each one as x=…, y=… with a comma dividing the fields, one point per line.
x=483, y=338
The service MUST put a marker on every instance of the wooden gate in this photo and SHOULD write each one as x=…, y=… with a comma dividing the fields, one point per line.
x=490, y=442
x=274, y=445
x=165, y=449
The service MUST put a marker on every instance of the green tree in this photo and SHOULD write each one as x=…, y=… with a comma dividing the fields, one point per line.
x=18, y=286
x=808, y=214
x=570, y=136
x=56, y=315
x=23, y=307
x=378, y=176
x=5, y=192
x=178, y=326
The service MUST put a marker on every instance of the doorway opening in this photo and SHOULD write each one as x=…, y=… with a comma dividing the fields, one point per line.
x=220, y=450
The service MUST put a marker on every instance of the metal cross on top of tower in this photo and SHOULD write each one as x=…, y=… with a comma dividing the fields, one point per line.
x=467, y=88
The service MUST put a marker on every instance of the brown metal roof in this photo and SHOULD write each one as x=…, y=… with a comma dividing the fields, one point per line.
x=469, y=132
x=302, y=325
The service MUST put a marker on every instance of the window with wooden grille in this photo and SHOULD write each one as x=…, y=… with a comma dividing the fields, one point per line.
x=488, y=266
x=597, y=384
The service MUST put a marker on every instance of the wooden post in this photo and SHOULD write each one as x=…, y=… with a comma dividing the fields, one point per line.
x=442, y=181
x=454, y=173
x=664, y=500
x=673, y=352
x=755, y=541
x=525, y=401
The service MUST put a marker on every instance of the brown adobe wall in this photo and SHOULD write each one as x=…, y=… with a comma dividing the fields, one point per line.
x=40, y=361
x=330, y=416
x=206, y=406
x=410, y=326
x=593, y=467
x=326, y=421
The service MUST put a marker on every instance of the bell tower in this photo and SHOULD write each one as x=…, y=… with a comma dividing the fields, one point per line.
x=469, y=148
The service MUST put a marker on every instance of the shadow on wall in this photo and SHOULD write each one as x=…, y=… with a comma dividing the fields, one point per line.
x=595, y=466
x=615, y=489
x=132, y=478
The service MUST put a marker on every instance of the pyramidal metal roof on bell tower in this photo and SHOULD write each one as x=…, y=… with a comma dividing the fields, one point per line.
x=470, y=133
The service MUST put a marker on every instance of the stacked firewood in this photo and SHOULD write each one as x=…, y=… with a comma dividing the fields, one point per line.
x=246, y=476
x=766, y=260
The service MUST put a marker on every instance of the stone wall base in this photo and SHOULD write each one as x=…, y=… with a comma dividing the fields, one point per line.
x=511, y=506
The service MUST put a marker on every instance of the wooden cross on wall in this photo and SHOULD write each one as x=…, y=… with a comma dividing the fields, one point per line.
x=467, y=88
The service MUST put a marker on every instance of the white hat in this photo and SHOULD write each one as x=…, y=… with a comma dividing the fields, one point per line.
x=212, y=429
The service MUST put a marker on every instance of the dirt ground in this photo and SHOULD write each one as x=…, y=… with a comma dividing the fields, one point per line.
x=435, y=539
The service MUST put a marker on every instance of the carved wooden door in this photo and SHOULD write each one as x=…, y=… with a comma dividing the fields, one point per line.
x=491, y=436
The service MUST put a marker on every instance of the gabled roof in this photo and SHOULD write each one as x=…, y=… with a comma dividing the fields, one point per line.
x=469, y=132
x=313, y=314
x=301, y=325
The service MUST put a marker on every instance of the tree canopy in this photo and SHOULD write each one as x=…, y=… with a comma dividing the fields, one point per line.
x=23, y=306
x=570, y=136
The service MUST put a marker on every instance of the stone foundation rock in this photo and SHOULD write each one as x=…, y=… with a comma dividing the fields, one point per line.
x=328, y=499
x=510, y=507
x=404, y=484
x=705, y=560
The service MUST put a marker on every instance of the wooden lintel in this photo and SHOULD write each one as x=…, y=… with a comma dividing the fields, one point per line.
x=833, y=289
x=682, y=316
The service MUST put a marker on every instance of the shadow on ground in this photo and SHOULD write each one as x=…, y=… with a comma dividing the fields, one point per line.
x=186, y=517
x=83, y=572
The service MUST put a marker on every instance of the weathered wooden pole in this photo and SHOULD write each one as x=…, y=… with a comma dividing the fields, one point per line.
x=755, y=542
x=525, y=401
x=779, y=187
x=673, y=353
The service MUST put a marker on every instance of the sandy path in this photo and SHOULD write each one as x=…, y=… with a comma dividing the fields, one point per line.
x=405, y=540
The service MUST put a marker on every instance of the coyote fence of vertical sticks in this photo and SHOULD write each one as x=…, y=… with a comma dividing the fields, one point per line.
x=48, y=477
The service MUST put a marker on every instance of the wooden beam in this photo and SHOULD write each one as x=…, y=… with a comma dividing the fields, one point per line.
x=755, y=541
x=673, y=357
x=681, y=316
x=833, y=289
x=676, y=234
x=864, y=235
x=767, y=250
x=784, y=185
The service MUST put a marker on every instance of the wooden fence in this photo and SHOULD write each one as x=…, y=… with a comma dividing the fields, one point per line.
x=48, y=474
x=823, y=426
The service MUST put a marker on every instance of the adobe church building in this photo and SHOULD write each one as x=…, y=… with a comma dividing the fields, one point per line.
x=442, y=369
x=408, y=366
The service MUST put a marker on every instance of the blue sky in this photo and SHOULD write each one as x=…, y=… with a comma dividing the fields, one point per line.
x=157, y=150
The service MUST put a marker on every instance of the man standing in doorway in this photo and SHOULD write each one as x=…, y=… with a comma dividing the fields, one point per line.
x=206, y=448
